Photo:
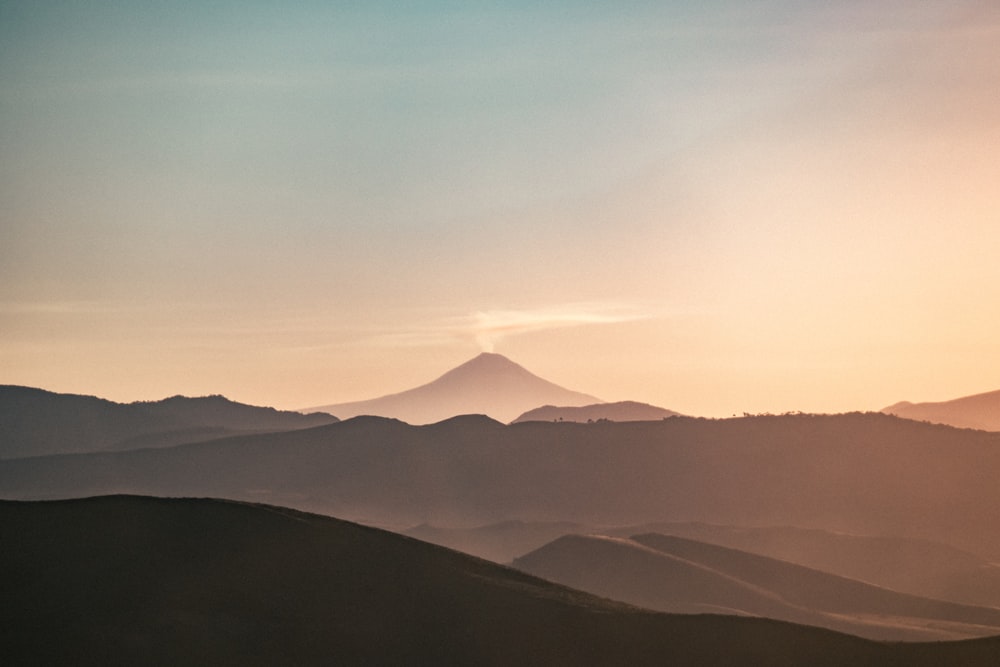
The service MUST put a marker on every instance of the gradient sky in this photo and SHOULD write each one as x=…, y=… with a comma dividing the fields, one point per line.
x=715, y=207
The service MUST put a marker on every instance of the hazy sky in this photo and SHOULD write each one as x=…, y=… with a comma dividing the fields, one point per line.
x=715, y=207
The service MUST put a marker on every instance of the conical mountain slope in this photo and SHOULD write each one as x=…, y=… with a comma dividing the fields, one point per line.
x=489, y=384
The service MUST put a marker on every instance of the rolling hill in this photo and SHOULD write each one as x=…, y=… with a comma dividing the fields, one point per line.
x=981, y=411
x=863, y=474
x=683, y=576
x=133, y=580
x=489, y=384
x=35, y=422
x=622, y=411
x=917, y=566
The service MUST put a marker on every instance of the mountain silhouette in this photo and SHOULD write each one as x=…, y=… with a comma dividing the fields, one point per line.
x=676, y=575
x=35, y=422
x=622, y=411
x=864, y=474
x=980, y=411
x=490, y=384
x=129, y=580
x=917, y=566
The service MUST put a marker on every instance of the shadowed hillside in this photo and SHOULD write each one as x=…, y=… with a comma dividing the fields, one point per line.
x=683, y=576
x=981, y=411
x=34, y=422
x=490, y=384
x=622, y=411
x=815, y=590
x=128, y=580
x=866, y=474
x=920, y=567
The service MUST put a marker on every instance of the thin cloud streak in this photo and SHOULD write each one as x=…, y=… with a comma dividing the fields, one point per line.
x=491, y=326
x=488, y=327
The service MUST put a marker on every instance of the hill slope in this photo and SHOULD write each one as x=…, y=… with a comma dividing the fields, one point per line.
x=499, y=542
x=916, y=566
x=35, y=422
x=489, y=384
x=862, y=474
x=128, y=580
x=622, y=411
x=895, y=615
x=981, y=411
x=682, y=576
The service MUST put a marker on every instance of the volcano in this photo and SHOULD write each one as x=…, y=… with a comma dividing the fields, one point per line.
x=490, y=384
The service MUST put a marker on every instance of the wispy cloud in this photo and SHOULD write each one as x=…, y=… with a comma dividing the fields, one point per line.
x=491, y=326
x=488, y=327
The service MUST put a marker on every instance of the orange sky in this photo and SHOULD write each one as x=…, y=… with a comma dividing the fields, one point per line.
x=716, y=209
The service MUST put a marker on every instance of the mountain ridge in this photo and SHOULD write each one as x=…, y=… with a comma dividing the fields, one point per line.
x=676, y=575
x=927, y=481
x=978, y=411
x=38, y=422
x=917, y=566
x=618, y=411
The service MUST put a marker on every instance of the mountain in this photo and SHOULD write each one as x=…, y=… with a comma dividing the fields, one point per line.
x=862, y=474
x=830, y=593
x=35, y=422
x=917, y=566
x=684, y=576
x=623, y=411
x=981, y=411
x=134, y=580
x=489, y=384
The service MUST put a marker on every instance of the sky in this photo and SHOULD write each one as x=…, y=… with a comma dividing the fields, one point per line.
x=716, y=207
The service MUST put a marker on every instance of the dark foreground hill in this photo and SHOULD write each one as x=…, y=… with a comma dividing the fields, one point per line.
x=35, y=422
x=621, y=411
x=981, y=411
x=864, y=474
x=685, y=576
x=490, y=384
x=132, y=580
